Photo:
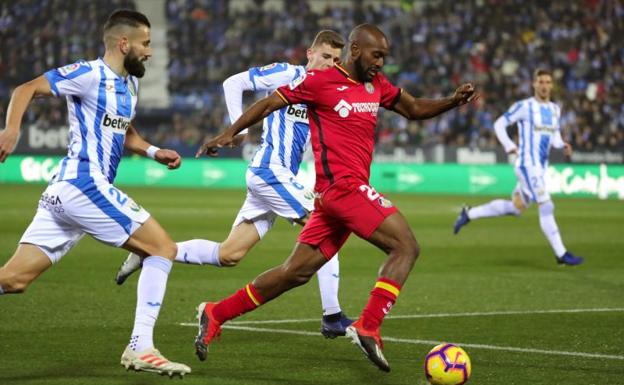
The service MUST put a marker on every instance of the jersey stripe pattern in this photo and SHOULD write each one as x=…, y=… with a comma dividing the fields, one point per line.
x=538, y=127
x=101, y=105
x=286, y=132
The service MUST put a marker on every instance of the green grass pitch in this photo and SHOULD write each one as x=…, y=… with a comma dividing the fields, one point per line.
x=495, y=289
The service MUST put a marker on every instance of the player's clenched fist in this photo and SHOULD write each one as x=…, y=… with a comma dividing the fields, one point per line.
x=170, y=158
x=464, y=94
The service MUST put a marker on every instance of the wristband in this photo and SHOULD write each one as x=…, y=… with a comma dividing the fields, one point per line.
x=151, y=151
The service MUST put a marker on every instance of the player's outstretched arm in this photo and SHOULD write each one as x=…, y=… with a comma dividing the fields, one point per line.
x=135, y=143
x=421, y=108
x=258, y=111
x=20, y=99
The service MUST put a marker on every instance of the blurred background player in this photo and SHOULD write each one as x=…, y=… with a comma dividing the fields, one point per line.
x=101, y=99
x=343, y=104
x=272, y=186
x=539, y=129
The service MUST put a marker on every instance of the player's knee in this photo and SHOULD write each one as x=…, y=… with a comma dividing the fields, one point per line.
x=518, y=205
x=12, y=282
x=168, y=250
x=408, y=247
x=547, y=208
x=231, y=258
x=295, y=276
x=412, y=250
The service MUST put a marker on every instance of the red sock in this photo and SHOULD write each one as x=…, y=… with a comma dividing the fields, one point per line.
x=382, y=297
x=239, y=303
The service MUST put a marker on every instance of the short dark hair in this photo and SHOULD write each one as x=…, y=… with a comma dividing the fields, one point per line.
x=126, y=17
x=540, y=72
x=327, y=36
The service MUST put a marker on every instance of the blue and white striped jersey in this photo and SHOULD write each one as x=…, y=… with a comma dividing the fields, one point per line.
x=538, y=129
x=286, y=133
x=101, y=105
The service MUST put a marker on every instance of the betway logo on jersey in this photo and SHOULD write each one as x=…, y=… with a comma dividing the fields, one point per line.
x=117, y=124
x=344, y=109
x=297, y=113
x=549, y=129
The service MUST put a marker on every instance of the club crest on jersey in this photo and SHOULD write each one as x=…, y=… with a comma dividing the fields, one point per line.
x=297, y=81
x=385, y=203
x=110, y=85
x=268, y=67
x=343, y=108
x=370, y=88
x=66, y=70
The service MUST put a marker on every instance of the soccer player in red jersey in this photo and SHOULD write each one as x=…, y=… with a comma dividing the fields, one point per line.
x=342, y=108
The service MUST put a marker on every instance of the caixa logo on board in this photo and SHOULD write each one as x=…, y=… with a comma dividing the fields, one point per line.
x=38, y=170
x=115, y=123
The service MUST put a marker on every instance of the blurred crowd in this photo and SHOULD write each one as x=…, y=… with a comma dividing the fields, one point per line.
x=435, y=47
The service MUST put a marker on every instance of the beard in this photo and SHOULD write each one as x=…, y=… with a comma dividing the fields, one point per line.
x=134, y=65
x=361, y=72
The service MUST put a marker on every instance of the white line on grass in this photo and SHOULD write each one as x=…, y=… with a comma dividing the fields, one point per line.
x=236, y=326
x=444, y=315
x=431, y=342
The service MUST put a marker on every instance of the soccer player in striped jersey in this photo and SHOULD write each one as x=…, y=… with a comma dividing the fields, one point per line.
x=272, y=186
x=81, y=199
x=539, y=129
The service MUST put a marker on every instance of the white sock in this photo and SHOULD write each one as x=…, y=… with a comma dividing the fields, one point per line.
x=150, y=294
x=550, y=228
x=1, y=290
x=198, y=252
x=328, y=278
x=495, y=208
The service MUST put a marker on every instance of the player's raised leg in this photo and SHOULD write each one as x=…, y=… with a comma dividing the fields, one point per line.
x=495, y=208
x=140, y=354
x=304, y=261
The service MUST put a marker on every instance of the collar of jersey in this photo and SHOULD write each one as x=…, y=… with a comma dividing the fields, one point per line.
x=111, y=70
x=345, y=73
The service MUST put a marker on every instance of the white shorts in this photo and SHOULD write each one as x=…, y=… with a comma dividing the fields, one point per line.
x=272, y=193
x=531, y=185
x=69, y=209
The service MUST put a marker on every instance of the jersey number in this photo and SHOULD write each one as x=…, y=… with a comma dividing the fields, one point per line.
x=121, y=199
x=370, y=192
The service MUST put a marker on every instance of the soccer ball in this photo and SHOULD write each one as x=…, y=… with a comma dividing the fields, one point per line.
x=447, y=364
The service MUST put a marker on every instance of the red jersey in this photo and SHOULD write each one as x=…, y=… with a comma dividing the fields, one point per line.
x=342, y=114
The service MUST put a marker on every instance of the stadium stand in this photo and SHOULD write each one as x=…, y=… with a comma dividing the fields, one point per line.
x=435, y=46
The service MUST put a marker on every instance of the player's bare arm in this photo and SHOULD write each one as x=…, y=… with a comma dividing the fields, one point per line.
x=22, y=95
x=421, y=108
x=136, y=144
x=258, y=111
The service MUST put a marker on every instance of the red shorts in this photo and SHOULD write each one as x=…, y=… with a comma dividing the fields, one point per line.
x=346, y=206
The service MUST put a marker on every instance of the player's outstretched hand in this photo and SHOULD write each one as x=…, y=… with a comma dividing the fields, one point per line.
x=170, y=158
x=8, y=140
x=567, y=149
x=465, y=93
x=211, y=147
